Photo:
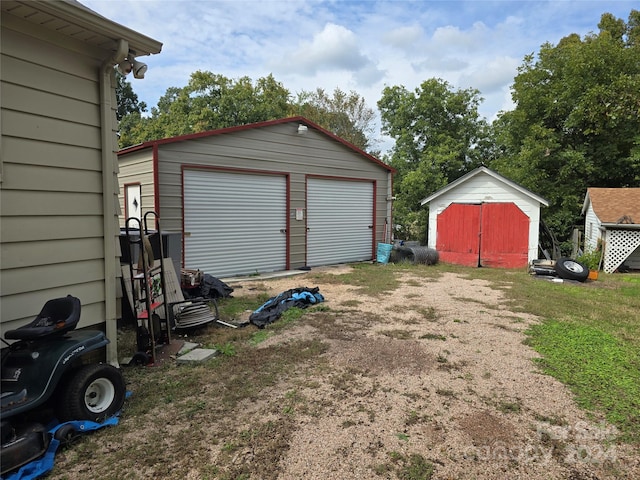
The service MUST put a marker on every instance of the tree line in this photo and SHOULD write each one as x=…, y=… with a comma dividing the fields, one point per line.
x=576, y=123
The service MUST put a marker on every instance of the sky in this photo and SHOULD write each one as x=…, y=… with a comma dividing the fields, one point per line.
x=359, y=46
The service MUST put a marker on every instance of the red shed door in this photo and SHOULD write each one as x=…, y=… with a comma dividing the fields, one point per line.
x=488, y=235
x=458, y=239
x=504, y=239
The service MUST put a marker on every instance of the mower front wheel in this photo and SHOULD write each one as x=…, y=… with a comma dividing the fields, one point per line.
x=66, y=435
x=94, y=392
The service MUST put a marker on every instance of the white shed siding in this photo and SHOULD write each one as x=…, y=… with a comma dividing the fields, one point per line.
x=484, y=188
x=592, y=230
x=51, y=192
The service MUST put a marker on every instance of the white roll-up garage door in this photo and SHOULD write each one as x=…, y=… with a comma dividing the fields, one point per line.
x=234, y=222
x=339, y=221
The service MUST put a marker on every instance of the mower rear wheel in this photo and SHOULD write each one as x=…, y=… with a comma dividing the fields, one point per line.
x=94, y=392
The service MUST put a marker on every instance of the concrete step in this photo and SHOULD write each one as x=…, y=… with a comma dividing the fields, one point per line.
x=197, y=355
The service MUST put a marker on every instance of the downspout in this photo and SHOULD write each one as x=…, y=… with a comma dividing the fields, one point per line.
x=389, y=217
x=108, y=196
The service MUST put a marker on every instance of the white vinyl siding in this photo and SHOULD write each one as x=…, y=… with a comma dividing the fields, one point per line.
x=339, y=221
x=234, y=222
x=593, y=232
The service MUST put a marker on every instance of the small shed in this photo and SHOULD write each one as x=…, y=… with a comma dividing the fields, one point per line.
x=275, y=195
x=612, y=222
x=58, y=167
x=484, y=220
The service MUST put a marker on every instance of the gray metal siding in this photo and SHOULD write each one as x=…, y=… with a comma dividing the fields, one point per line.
x=137, y=168
x=339, y=221
x=51, y=189
x=276, y=148
x=234, y=222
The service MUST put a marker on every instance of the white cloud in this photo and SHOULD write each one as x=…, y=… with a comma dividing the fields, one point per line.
x=360, y=46
x=334, y=48
x=404, y=37
x=436, y=63
x=451, y=38
x=491, y=75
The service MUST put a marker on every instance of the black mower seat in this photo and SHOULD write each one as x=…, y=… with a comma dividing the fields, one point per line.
x=57, y=316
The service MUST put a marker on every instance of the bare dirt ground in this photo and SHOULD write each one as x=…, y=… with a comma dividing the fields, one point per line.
x=444, y=375
x=430, y=381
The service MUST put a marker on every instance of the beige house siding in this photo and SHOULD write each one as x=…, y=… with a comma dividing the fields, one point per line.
x=58, y=170
x=274, y=148
x=51, y=190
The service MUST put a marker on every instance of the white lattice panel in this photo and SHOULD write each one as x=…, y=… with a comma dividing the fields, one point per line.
x=620, y=244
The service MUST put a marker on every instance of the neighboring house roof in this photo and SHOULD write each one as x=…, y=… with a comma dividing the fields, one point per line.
x=71, y=18
x=614, y=206
x=222, y=131
x=491, y=173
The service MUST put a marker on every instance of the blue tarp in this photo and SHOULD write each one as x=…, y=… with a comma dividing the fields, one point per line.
x=273, y=308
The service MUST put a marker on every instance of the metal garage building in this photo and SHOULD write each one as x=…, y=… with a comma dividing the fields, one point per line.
x=269, y=196
x=484, y=219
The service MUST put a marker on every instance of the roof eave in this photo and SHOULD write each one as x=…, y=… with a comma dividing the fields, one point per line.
x=87, y=18
x=585, y=204
x=629, y=226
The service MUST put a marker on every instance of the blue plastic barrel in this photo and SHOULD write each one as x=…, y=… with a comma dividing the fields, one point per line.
x=384, y=252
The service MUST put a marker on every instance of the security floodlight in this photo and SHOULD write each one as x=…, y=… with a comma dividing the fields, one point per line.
x=139, y=68
x=124, y=67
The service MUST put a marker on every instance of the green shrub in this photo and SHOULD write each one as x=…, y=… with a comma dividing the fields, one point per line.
x=591, y=259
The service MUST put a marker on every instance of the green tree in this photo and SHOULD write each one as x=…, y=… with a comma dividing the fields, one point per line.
x=209, y=101
x=127, y=99
x=343, y=114
x=577, y=119
x=437, y=134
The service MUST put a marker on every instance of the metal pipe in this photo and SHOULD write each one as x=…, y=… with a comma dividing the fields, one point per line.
x=109, y=186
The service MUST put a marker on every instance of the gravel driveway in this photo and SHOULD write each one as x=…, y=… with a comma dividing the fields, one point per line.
x=431, y=380
x=439, y=369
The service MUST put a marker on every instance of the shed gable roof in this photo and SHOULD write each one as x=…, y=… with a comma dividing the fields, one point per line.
x=614, y=205
x=491, y=173
x=222, y=131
